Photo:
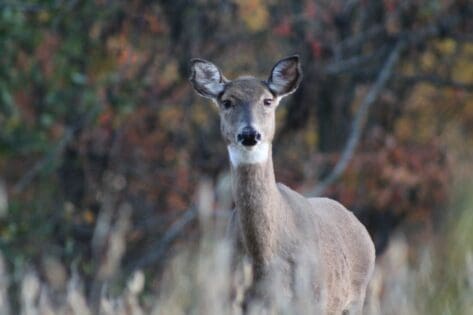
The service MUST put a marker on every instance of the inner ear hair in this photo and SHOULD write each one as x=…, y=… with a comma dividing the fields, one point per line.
x=206, y=78
x=285, y=76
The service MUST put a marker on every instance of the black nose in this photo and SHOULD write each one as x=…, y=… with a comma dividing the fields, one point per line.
x=249, y=136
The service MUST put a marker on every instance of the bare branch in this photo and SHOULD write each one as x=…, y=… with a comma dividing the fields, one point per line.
x=351, y=63
x=413, y=37
x=56, y=152
x=159, y=248
x=47, y=159
x=360, y=119
x=435, y=80
x=360, y=38
x=432, y=30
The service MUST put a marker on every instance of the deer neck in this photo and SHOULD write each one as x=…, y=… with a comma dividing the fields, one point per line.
x=257, y=201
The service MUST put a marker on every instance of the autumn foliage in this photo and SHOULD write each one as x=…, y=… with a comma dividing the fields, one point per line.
x=96, y=112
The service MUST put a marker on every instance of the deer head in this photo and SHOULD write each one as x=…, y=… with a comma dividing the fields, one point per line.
x=247, y=105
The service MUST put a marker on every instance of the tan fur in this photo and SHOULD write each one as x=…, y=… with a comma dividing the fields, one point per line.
x=281, y=229
x=276, y=224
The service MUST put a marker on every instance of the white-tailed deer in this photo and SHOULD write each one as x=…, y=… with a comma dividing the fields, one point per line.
x=276, y=224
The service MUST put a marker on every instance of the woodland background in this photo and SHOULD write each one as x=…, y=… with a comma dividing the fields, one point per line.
x=101, y=134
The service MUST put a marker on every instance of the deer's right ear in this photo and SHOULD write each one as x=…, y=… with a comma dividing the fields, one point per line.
x=206, y=78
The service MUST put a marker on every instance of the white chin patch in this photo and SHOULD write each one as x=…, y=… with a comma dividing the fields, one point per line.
x=239, y=155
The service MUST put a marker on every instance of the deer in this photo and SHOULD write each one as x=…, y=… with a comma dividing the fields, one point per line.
x=275, y=223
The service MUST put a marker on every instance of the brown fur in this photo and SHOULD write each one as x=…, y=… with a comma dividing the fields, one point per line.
x=246, y=92
x=277, y=224
x=280, y=229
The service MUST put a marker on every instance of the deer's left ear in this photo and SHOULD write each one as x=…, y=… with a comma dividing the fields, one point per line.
x=206, y=78
x=285, y=76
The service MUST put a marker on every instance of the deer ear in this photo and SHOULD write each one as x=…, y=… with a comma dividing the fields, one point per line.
x=206, y=78
x=285, y=76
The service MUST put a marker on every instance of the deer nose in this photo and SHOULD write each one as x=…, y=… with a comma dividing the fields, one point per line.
x=249, y=137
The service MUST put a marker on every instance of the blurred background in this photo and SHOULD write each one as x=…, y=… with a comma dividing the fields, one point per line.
x=107, y=154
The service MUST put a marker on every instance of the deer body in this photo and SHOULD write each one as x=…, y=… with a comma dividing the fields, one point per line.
x=278, y=226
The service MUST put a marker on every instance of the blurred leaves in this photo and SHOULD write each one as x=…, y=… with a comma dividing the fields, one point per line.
x=254, y=14
x=107, y=81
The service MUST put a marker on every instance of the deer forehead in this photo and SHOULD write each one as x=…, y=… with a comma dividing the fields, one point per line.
x=246, y=89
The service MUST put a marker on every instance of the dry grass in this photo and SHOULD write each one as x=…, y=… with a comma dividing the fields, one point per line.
x=434, y=279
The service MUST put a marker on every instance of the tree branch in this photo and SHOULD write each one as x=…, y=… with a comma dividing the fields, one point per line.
x=435, y=80
x=351, y=63
x=26, y=179
x=358, y=39
x=159, y=248
x=412, y=37
x=56, y=152
x=360, y=119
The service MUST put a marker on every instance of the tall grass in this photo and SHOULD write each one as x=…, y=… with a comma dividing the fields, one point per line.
x=433, y=278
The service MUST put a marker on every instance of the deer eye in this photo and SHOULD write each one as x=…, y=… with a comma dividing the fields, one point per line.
x=267, y=102
x=227, y=104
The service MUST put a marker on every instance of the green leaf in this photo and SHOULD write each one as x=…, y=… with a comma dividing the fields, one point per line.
x=79, y=78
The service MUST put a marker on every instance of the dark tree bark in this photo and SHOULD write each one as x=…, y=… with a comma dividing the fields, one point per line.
x=334, y=113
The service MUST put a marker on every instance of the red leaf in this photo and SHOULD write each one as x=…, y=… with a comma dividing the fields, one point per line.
x=284, y=28
x=390, y=5
x=311, y=9
x=316, y=48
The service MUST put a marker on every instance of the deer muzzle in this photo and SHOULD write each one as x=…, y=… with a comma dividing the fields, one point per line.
x=248, y=136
